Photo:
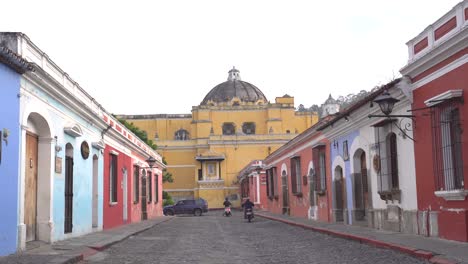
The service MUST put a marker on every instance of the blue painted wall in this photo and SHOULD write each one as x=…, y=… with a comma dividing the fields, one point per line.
x=82, y=169
x=347, y=169
x=9, y=166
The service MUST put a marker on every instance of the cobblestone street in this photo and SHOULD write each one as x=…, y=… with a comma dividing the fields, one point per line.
x=212, y=238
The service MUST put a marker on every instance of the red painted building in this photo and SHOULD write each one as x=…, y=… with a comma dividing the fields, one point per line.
x=132, y=185
x=296, y=177
x=437, y=78
x=252, y=181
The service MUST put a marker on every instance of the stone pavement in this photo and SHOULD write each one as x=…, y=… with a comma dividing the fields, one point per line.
x=76, y=249
x=433, y=249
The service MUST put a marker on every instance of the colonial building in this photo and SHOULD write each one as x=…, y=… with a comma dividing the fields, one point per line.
x=11, y=69
x=233, y=125
x=436, y=78
x=372, y=163
x=56, y=134
x=296, y=176
x=252, y=181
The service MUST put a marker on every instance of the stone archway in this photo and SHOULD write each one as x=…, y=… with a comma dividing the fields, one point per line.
x=36, y=212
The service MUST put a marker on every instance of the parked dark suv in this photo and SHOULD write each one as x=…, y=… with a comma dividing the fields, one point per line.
x=191, y=206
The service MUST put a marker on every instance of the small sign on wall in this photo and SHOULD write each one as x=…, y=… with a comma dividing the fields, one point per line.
x=58, y=165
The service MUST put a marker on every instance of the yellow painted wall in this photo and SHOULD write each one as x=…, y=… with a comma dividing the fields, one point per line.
x=238, y=150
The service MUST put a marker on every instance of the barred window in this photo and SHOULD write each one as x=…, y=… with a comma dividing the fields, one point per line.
x=156, y=188
x=388, y=176
x=181, y=134
x=447, y=142
x=271, y=182
x=136, y=184
x=229, y=129
x=113, y=178
x=320, y=177
x=150, y=186
x=248, y=128
x=296, y=180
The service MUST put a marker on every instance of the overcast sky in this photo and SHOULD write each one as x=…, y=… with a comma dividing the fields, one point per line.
x=154, y=57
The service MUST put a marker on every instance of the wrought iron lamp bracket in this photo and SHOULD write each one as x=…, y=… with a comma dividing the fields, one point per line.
x=403, y=127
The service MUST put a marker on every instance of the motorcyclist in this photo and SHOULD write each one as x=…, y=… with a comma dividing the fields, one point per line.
x=247, y=205
x=226, y=203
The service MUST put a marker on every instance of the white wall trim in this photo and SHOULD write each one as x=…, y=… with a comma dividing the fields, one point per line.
x=443, y=96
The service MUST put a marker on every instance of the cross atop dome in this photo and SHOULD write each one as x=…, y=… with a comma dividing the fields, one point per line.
x=234, y=74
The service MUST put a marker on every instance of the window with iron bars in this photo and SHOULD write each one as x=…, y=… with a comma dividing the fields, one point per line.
x=271, y=182
x=320, y=177
x=113, y=178
x=136, y=184
x=447, y=143
x=296, y=179
x=150, y=186
x=388, y=177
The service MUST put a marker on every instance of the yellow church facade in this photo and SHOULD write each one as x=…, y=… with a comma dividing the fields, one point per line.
x=233, y=125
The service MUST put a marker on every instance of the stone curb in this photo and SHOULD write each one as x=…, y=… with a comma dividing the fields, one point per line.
x=365, y=240
x=91, y=250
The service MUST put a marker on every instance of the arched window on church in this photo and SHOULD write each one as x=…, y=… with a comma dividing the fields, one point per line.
x=248, y=128
x=229, y=129
x=181, y=134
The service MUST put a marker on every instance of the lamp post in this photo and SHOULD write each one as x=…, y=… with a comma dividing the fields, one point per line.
x=386, y=103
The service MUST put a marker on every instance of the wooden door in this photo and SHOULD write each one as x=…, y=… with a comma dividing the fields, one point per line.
x=30, y=192
x=68, y=194
x=365, y=186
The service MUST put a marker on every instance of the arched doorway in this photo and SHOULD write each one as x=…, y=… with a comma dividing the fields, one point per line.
x=37, y=180
x=361, y=190
x=68, y=225
x=340, y=195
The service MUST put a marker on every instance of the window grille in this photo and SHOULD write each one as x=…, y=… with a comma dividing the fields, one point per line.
x=229, y=129
x=136, y=184
x=320, y=177
x=296, y=179
x=447, y=142
x=113, y=178
x=150, y=186
x=156, y=188
x=181, y=134
x=248, y=128
x=388, y=176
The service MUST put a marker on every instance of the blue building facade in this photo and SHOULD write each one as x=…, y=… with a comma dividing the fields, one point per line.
x=11, y=68
x=342, y=183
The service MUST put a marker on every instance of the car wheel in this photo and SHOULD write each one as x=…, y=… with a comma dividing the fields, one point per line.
x=197, y=212
x=171, y=213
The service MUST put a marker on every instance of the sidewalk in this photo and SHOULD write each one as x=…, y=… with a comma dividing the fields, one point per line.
x=75, y=249
x=433, y=249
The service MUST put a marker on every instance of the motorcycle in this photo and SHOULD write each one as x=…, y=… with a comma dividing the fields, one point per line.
x=249, y=214
x=227, y=211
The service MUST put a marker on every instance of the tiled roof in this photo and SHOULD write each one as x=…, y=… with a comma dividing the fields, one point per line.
x=14, y=61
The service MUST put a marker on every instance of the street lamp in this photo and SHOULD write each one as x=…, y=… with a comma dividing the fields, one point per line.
x=150, y=162
x=386, y=103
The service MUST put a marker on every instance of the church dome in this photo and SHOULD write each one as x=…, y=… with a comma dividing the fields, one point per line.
x=234, y=87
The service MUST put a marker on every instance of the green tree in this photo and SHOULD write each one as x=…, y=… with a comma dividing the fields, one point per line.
x=141, y=134
x=167, y=176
